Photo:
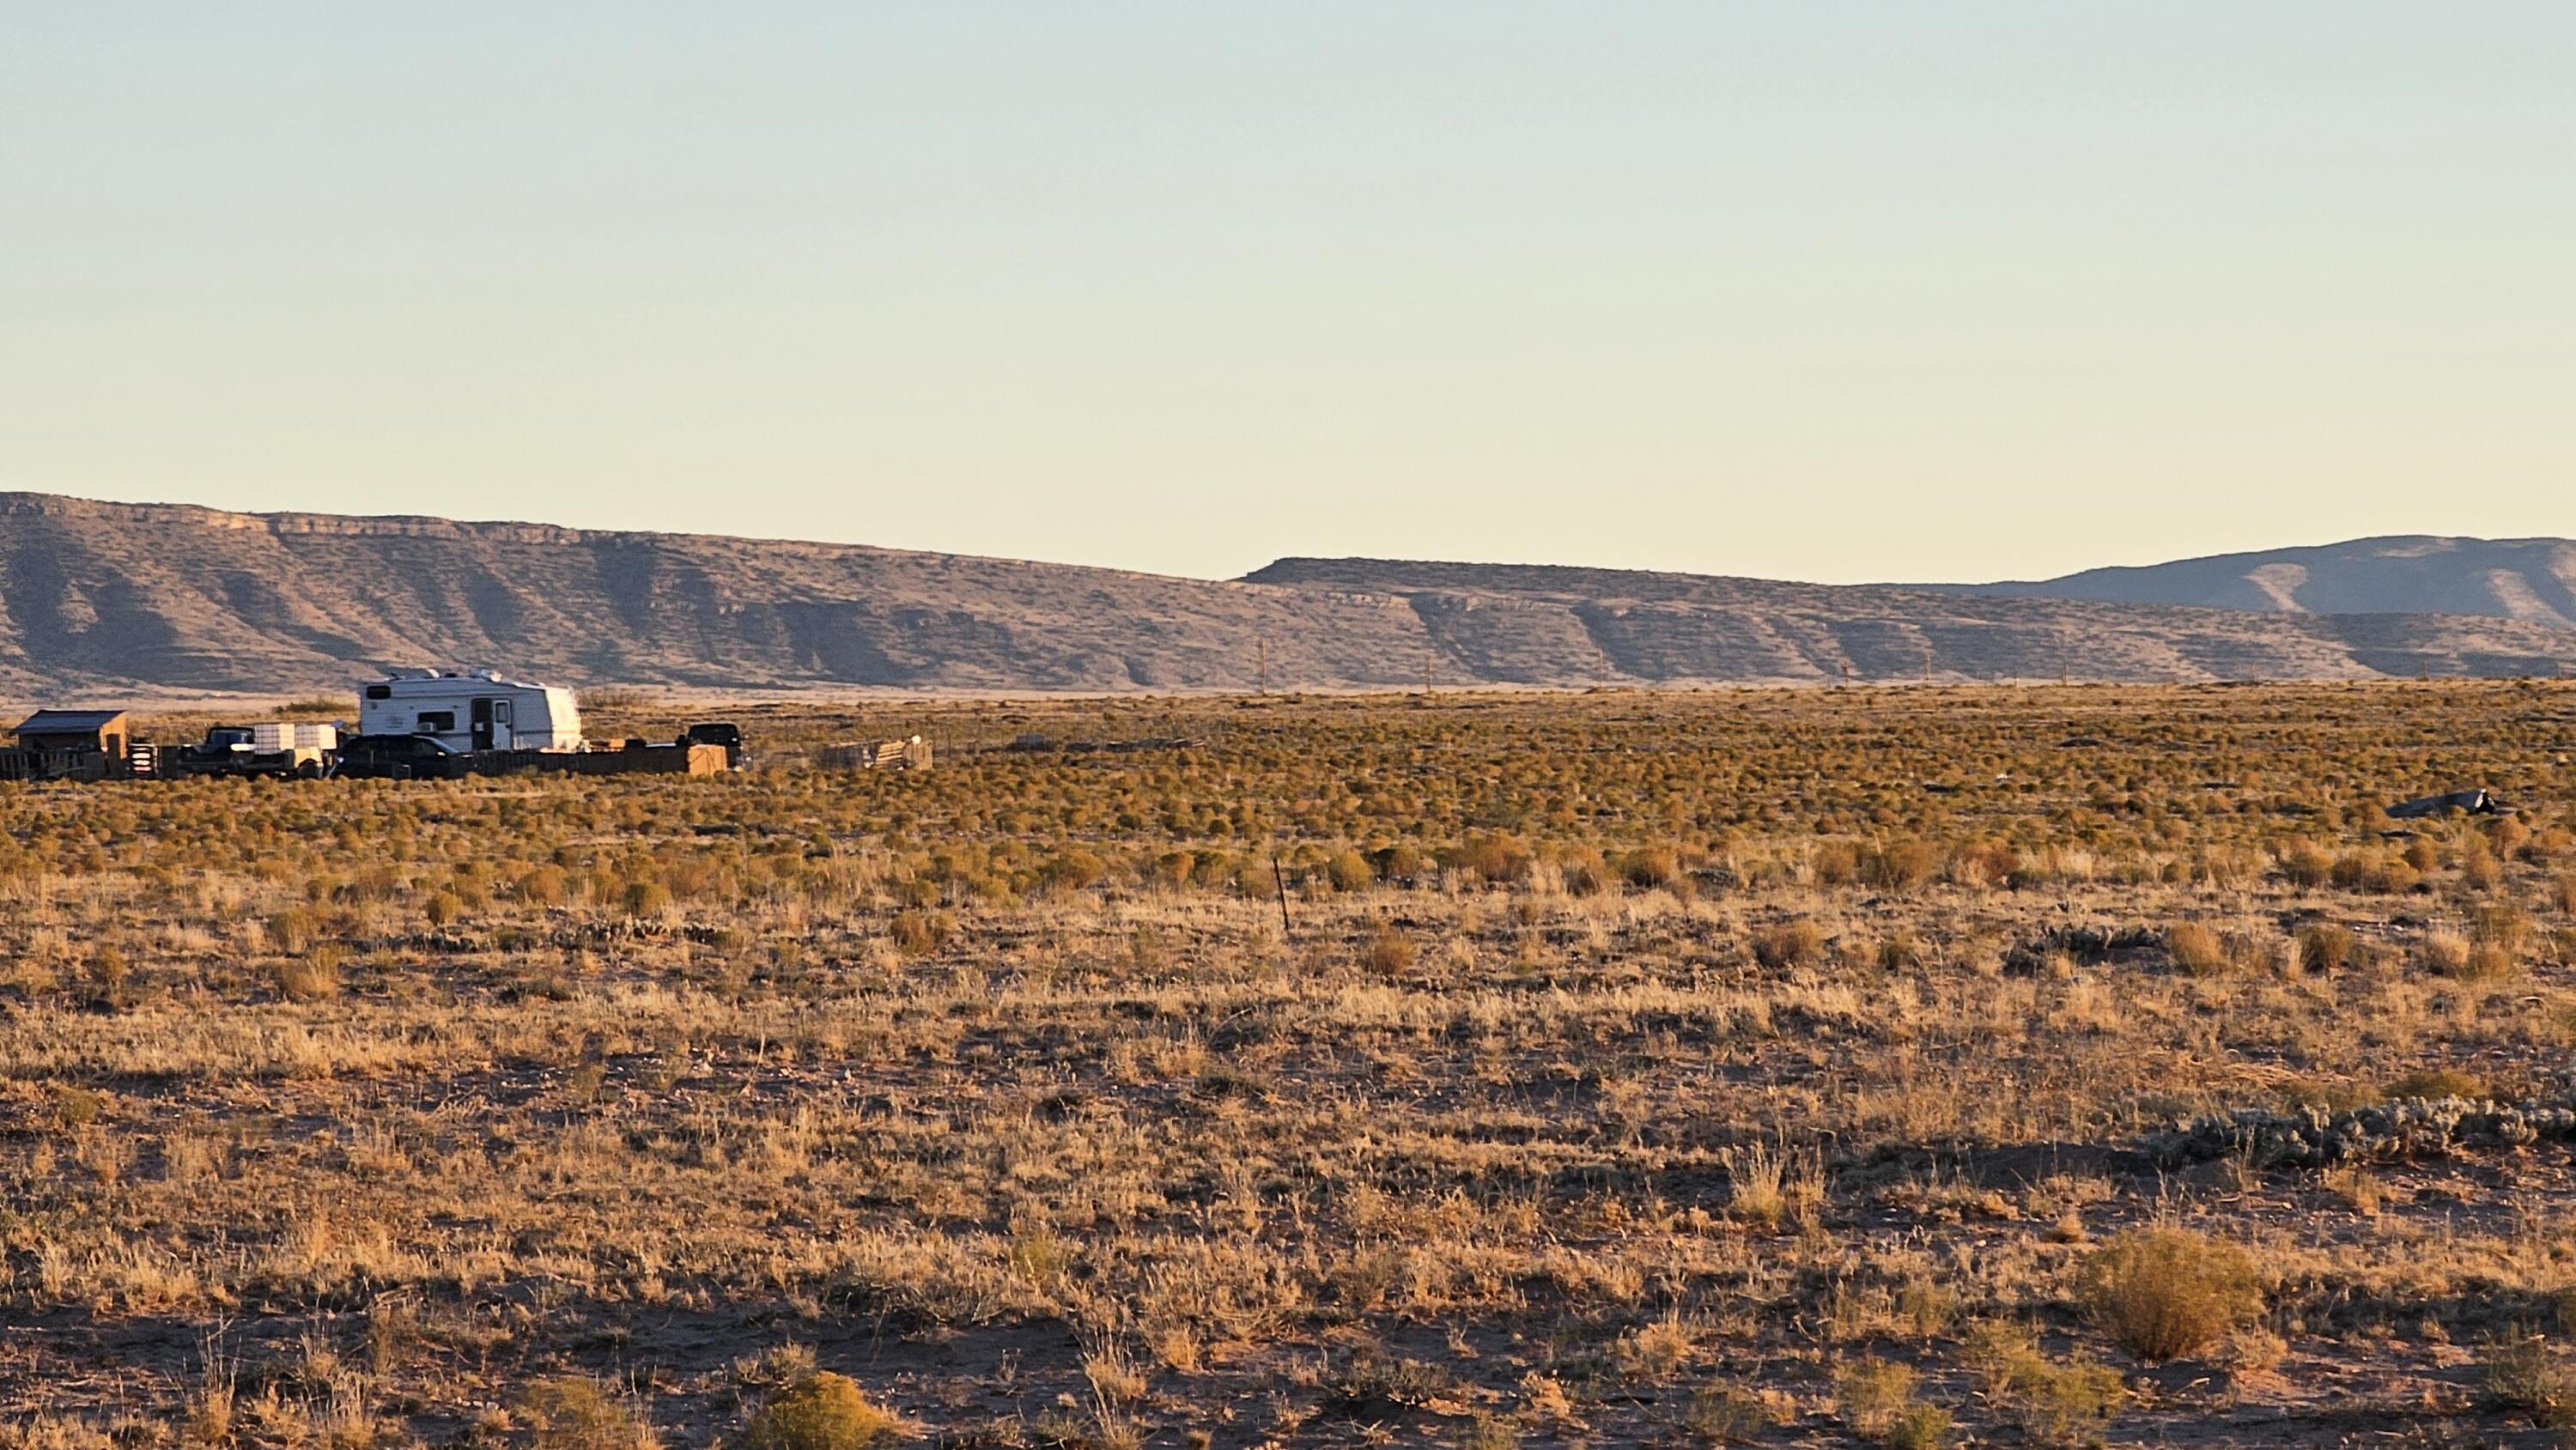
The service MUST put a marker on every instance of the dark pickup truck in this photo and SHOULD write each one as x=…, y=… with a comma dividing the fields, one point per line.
x=399, y=757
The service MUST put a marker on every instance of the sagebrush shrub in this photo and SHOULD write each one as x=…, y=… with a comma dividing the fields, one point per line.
x=2325, y=947
x=2196, y=950
x=2306, y=866
x=1350, y=871
x=1900, y=865
x=311, y=977
x=1790, y=944
x=919, y=933
x=1387, y=951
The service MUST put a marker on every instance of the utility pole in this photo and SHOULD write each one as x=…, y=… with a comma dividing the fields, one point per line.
x=1263, y=646
x=1426, y=672
x=1927, y=661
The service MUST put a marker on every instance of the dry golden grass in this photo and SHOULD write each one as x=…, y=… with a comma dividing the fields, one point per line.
x=1496, y=1069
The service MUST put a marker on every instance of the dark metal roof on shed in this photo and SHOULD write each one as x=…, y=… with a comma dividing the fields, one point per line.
x=49, y=721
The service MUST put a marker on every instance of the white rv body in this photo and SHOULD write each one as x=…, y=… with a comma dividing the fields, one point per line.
x=480, y=711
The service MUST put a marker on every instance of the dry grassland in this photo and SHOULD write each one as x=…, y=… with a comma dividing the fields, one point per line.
x=1681, y=1069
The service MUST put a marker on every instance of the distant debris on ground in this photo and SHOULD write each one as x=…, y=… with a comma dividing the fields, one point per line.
x=910, y=753
x=1034, y=741
x=2479, y=802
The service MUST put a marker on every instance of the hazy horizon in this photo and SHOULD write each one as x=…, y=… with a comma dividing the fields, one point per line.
x=1843, y=294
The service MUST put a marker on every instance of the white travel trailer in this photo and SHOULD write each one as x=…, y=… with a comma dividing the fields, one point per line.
x=478, y=711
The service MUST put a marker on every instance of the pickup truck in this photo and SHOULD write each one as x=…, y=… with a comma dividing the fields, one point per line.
x=399, y=757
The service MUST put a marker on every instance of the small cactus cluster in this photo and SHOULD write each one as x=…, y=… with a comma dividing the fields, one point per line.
x=2403, y=1128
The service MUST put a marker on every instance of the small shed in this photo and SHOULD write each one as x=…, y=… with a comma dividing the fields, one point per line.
x=106, y=731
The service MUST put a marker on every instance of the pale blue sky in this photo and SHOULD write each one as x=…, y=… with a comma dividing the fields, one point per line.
x=1832, y=291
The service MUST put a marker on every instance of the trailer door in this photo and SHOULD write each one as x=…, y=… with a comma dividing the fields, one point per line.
x=504, y=725
x=482, y=722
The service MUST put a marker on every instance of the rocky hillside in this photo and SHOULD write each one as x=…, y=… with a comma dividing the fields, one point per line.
x=1535, y=624
x=100, y=598
x=2527, y=579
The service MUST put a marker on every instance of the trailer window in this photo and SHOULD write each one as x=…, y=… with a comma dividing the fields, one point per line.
x=380, y=692
x=437, y=722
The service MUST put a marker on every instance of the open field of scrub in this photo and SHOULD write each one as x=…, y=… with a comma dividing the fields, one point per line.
x=1904, y=1067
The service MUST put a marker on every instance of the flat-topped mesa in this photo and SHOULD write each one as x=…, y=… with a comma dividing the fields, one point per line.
x=176, y=597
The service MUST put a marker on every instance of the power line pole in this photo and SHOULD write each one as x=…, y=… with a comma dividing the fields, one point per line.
x=1263, y=646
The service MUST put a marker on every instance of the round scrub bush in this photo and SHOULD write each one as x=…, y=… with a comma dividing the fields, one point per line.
x=2165, y=1293
x=823, y=1411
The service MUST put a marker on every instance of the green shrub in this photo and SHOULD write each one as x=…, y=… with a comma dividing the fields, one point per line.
x=1724, y=1415
x=1872, y=1393
x=2063, y=1403
x=2525, y=1376
x=2057, y=1403
x=77, y=1108
x=2436, y=1083
x=1919, y=1427
x=824, y=1411
x=2164, y=1293
x=1073, y=870
x=572, y=1413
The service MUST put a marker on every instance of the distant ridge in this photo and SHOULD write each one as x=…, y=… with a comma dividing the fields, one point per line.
x=2526, y=579
x=102, y=598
